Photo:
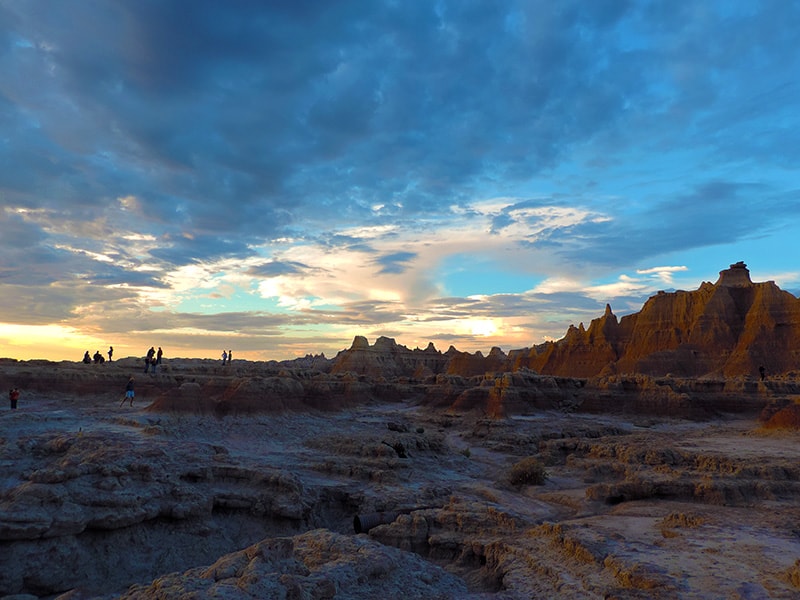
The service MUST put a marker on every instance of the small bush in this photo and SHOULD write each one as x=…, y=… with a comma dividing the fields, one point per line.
x=528, y=471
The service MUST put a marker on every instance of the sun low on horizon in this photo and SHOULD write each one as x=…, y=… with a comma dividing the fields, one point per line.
x=279, y=180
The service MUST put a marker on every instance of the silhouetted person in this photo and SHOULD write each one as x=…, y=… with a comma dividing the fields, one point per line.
x=763, y=372
x=230, y=356
x=110, y=352
x=98, y=358
x=224, y=357
x=87, y=360
x=159, y=354
x=149, y=359
x=13, y=396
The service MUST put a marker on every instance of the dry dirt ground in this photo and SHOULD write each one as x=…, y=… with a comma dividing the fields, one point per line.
x=96, y=497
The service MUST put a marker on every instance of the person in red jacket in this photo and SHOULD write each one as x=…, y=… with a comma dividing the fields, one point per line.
x=13, y=396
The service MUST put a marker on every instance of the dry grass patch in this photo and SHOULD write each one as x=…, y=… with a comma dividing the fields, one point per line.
x=528, y=471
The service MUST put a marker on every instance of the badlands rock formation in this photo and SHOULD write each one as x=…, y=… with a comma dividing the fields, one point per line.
x=728, y=328
x=608, y=469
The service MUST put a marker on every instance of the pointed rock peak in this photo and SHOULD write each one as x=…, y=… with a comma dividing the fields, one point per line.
x=608, y=312
x=359, y=343
x=497, y=352
x=738, y=275
x=431, y=348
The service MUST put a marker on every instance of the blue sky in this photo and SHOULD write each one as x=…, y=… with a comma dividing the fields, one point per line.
x=278, y=177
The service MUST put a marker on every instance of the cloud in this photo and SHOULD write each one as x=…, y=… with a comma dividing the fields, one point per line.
x=274, y=268
x=340, y=160
x=664, y=274
x=395, y=263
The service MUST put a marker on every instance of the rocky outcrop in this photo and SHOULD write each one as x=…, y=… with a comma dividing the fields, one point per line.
x=316, y=564
x=468, y=365
x=728, y=328
x=387, y=359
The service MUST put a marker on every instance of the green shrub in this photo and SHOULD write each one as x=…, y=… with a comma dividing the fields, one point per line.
x=528, y=471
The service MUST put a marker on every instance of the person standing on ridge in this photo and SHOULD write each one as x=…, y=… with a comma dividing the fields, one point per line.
x=149, y=359
x=110, y=352
x=230, y=356
x=224, y=357
x=159, y=354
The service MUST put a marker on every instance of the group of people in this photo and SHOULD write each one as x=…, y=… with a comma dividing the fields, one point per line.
x=98, y=358
x=153, y=359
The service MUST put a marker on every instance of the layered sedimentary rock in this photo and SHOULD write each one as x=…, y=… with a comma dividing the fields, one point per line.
x=729, y=328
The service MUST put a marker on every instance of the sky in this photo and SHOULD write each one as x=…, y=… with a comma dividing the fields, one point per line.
x=276, y=178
